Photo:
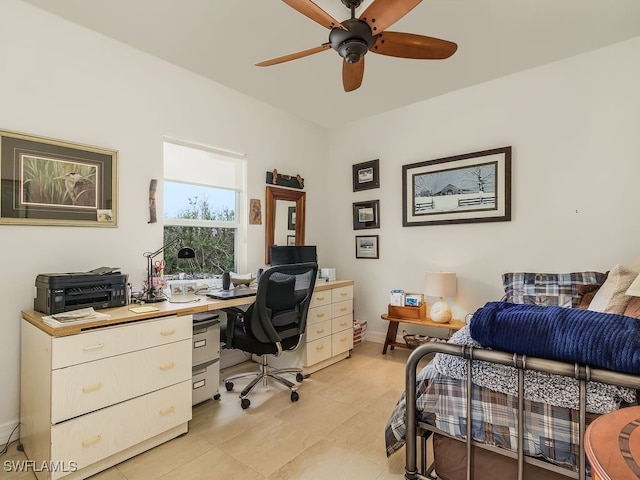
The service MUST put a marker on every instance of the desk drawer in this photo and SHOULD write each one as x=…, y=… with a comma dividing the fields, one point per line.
x=111, y=341
x=342, y=308
x=320, y=298
x=318, y=314
x=318, y=350
x=342, y=293
x=342, y=323
x=87, y=387
x=341, y=342
x=318, y=330
x=98, y=435
x=206, y=343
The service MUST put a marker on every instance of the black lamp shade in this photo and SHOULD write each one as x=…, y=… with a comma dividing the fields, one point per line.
x=186, y=252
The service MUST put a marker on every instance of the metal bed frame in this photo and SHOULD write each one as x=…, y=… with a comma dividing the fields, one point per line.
x=415, y=429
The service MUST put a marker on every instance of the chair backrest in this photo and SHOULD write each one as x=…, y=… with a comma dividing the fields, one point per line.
x=282, y=302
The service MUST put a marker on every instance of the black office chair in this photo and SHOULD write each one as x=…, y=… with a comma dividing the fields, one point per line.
x=274, y=323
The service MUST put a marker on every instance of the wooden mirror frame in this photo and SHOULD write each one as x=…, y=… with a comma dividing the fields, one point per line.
x=272, y=194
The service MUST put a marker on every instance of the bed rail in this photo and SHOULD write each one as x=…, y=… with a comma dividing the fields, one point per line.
x=582, y=373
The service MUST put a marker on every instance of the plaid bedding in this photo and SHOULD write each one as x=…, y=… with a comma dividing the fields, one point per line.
x=560, y=289
x=551, y=433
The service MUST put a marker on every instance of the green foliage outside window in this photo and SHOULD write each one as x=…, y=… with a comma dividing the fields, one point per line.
x=214, y=246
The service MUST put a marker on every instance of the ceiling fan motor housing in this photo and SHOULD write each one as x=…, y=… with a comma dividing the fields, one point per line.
x=353, y=42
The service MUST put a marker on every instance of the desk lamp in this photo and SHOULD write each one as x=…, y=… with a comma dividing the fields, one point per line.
x=441, y=284
x=151, y=295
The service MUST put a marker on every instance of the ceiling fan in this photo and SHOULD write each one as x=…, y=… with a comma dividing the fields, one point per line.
x=354, y=37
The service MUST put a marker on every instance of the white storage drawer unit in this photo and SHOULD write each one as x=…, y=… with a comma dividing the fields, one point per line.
x=205, y=372
x=101, y=396
x=329, y=336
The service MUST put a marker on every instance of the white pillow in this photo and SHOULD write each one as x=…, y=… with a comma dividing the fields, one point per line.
x=610, y=297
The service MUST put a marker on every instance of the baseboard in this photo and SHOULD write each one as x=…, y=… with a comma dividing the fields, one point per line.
x=5, y=431
x=375, y=337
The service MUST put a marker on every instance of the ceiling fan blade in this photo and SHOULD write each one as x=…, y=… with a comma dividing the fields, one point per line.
x=314, y=12
x=294, y=56
x=352, y=74
x=410, y=45
x=381, y=14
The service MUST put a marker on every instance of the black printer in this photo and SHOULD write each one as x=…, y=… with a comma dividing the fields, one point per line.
x=61, y=292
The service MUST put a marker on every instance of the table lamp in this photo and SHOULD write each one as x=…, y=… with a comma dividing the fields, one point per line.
x=151, y=295
x=441, y=284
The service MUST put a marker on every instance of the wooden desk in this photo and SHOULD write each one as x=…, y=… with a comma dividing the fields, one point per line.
x=612, y=445
x=394, y=322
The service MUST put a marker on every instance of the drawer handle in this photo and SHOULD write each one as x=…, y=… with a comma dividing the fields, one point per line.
x=320, y=347
x=167, y=366
x=165, y=333
x=93, y=347
x=343, y=309
x=92, y=388
x=343, y=339
x=319, y=298
x=343, y=294
x=96, y=439
x=167, y=410
x=343, y=324
x=320, y=315
x=320, y=331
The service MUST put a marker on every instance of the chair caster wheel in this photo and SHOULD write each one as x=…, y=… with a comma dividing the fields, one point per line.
x=244, y=403
x=299, y=377
x=216, y=396
x=228, y=386
x=294, y=396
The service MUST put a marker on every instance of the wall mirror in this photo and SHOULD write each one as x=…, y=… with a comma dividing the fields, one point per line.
x=284, y=218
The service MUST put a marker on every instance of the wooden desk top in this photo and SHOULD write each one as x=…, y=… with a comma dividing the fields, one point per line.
x=452, y=325
x=612, y=445
x=120, y=315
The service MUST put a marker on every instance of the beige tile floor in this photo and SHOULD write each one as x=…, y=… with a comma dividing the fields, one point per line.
x=335, y=431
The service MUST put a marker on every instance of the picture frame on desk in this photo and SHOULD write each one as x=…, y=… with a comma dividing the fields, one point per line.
x=469, y=188
x=55, y=182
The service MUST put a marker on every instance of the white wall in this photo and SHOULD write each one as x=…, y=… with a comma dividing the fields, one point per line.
x=573, y=126
x=62, y=81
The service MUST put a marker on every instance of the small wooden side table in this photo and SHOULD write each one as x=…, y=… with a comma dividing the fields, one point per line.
x=612, y=445
x=394, y=322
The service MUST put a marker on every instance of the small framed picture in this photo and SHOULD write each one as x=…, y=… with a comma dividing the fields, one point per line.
x=291, y=240
x=366, y=175
x=292, y=218
x=366, y=215
x=367, y=246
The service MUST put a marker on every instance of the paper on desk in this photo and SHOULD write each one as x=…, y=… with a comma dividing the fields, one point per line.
x=144, y=309
x=74, y=317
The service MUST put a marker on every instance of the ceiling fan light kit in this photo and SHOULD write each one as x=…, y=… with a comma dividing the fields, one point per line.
x=354, y=37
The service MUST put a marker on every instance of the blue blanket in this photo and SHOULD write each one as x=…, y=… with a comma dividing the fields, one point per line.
x=600, y=340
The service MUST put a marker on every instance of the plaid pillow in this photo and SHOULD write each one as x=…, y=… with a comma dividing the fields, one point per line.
x=559, y=289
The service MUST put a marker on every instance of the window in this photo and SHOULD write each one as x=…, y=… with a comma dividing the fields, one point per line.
x=203, y=197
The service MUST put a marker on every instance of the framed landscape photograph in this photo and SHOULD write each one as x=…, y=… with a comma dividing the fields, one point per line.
x=54, y=182
x=367, y=246
x=366, y=215
x=366, y=175
x=469, y=188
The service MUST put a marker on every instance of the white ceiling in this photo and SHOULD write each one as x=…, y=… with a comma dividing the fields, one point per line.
x=223, y=39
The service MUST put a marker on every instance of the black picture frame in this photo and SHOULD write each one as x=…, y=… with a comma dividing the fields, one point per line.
x=54, y=182
x=367, y=246
x=291, y=218
x=469, y=188
x=366, y=175
x=366, y=215
x=291, y=240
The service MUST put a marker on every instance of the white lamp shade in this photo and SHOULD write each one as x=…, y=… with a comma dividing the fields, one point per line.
x=634, y=288
x=441, y=284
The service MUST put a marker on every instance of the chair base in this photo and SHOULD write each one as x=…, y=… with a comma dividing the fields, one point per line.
x=265, y=373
